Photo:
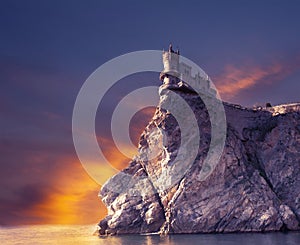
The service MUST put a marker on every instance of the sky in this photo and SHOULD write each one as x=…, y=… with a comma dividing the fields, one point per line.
x=48, y=49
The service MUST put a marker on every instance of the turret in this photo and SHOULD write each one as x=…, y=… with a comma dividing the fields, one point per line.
x=170, y=73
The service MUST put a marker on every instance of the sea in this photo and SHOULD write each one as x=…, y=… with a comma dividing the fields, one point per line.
x=84, y=234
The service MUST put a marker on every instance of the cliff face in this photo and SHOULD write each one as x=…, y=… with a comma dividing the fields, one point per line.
x=255, y=185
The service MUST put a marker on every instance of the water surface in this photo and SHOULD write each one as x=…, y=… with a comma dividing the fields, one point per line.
x=83, y=234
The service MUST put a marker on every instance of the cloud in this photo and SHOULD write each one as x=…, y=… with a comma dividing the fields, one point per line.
x=45, y=182
x=72, y=197
x=56, y=191
x=41, y=178
x=237, y=78
x=115, y=157
x=42, y=181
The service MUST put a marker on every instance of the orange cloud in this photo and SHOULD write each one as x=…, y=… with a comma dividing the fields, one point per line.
x=71, y=196
x=234, y=79
x=71, y=199
x=237, y=78
x=113, y=155
x=76, y=202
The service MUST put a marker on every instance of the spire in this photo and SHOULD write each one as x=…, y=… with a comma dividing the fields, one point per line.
x=171, y=48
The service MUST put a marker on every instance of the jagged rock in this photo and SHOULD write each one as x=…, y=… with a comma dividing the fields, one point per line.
x=255, y=185
x=135, y=208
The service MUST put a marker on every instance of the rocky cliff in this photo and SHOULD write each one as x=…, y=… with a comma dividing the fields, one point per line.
x=255, y=185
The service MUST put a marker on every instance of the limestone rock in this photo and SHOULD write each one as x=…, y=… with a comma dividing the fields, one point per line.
x=255, y=185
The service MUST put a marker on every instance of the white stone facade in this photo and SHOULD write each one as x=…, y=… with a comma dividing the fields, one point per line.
x=175, y=72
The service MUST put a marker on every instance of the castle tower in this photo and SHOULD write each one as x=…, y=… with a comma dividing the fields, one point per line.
x=180, y=74
x=171, y=67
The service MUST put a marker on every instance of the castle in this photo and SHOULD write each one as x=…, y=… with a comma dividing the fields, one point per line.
x=177, y=73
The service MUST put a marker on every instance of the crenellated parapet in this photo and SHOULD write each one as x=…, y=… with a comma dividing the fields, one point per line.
x=179, y=73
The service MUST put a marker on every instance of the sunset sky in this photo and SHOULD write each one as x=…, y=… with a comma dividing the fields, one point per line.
x=250, y=49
